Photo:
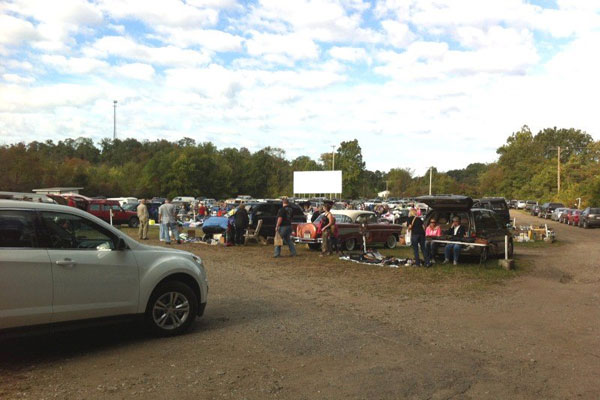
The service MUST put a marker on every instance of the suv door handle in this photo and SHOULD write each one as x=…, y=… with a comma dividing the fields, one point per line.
x=67, y=262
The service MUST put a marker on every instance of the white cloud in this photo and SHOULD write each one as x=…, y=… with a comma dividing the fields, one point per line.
x=139, y=71
x=56, y=25
x=14, y=78
x=398, y=34
x=15, y=31
x=293, y=45
x=351, y=54
x=129, y=49
x=210, y=39
x=174, y=13
x=73, y=65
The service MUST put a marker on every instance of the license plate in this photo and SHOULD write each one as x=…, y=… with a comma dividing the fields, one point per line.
x=598, y=217
x=306, y=235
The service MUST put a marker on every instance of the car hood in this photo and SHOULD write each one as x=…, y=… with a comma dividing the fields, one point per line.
x=451, y=202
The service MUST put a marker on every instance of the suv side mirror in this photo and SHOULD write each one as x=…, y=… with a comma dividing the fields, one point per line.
x=121, y=245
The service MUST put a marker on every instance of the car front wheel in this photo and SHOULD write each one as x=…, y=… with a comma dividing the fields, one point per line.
x=172, y=309
x=133, y=222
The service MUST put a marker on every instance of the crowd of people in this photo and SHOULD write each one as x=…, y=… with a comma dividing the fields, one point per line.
x=419, y=233
x=325, y=222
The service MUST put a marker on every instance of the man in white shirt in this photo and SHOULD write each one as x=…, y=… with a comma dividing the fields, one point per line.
x=457, y=231
x=168, y=219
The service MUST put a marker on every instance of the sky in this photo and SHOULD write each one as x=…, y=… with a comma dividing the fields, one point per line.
x=419, y=83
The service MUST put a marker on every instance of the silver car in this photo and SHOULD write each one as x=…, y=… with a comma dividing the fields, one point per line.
x=59, y=264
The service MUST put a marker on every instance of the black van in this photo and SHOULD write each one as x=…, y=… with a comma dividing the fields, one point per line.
x=479, y=223
x=496, y=204
x=267, y=212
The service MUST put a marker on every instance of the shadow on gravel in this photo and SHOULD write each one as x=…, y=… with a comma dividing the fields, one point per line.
x=22, y=352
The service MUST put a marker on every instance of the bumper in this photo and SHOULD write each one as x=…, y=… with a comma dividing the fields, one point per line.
x=306, y=240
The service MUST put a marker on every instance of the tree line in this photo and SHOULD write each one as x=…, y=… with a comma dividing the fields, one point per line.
x=526, y=168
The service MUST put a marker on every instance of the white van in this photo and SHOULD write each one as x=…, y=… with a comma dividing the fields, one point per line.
x=184, y=199
x=125, y=200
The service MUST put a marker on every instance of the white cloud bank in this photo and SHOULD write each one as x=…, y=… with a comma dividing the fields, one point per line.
x=419, y=83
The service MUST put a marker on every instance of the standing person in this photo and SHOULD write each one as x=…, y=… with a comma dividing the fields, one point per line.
x=201, y=210
x=318, y=211
x=144, y=218
x=433, y=230
x=327, y=223
x=335, y=235
x=168, y=219
x=417, y=237
x=284, y=227
x=457, y=231
x=241, y=223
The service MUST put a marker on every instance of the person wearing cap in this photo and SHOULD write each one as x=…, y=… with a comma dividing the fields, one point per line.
x=457, y=231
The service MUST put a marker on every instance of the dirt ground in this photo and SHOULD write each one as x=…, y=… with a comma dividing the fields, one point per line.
x=305, y=328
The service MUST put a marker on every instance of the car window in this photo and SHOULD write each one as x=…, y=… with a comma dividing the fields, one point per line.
x=17, y=229
x=116, y=207
x=498, y=206
x=94, y=207
x=366, y=218
x=342, y=219
x=68, y=231
x=485, y=220
x=594, y=211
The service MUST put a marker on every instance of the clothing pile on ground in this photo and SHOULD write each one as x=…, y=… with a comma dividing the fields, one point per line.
x=376, y=258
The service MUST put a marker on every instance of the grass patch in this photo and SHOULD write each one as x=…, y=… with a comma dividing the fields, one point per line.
x=469, y=278
x=538, y=244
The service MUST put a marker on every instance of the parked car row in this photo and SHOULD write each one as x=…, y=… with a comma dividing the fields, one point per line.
x=588, y=218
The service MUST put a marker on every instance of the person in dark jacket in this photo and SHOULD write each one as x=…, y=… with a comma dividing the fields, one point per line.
x=417, y=237
x=457, y=231
x=241, y=223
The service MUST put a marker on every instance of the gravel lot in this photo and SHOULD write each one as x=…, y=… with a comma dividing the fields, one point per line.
x=306, y=328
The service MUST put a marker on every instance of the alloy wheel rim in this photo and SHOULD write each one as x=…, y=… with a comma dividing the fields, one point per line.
x=171, y=310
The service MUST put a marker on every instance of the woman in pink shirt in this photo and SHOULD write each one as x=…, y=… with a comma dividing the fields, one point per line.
x=433, y=230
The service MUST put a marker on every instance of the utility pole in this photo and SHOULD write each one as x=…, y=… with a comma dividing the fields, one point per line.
x=430, y=180
x=114, y=120
x=332, y=157
x=558, y=168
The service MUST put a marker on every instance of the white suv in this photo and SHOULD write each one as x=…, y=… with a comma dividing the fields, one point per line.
x=60, y=264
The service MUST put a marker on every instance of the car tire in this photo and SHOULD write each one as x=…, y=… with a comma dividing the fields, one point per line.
x=133, y=222
x=172, y=309
x=391, y=242
x=350, y=244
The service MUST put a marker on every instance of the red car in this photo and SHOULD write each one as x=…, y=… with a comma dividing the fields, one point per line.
x=573, y=217
x=349, y=224
x=102, y=208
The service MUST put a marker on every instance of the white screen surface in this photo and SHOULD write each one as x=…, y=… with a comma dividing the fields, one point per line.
x=306, y=182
